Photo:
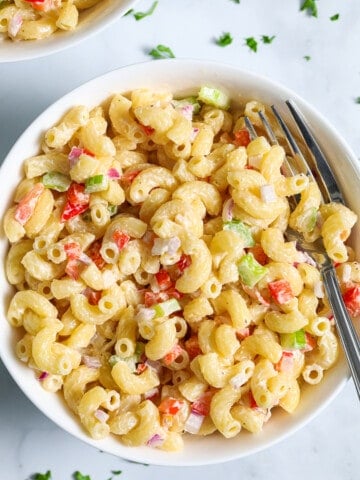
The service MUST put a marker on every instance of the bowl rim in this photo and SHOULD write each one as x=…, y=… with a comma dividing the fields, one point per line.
x=171, y=459
x=51, y=45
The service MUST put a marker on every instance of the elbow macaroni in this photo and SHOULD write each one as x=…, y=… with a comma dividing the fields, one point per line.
x=138, y=302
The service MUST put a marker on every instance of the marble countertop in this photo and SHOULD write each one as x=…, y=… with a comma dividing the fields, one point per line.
x=330, y=80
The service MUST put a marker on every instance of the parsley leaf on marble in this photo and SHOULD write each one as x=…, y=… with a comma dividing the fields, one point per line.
x=307, y=58
x=251, y=43
x=129, y=12
x=116, y=472
x=161, y=51
x=335, y=17
x=357, y=100
x=141, y=15
x=80, y=476
x=236, y=1
x=267, y=39
x=310, y=6
x=224, y=40
x=42, y=476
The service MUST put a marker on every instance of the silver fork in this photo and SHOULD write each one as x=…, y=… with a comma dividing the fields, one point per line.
x=331, y=193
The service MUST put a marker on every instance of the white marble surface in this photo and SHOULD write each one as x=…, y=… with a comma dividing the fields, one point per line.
x=328, y=446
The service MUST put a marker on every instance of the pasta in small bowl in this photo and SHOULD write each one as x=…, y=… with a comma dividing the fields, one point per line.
x=35, y=28
x=148, y=285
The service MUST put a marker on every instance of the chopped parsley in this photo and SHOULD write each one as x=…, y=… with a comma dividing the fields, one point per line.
x=267, y=39
x=310, y=6
x=224, y=40
x=236, y=1
x=161, y=51
x=141, y=15
x=42, y=476
x=335, y=17
x=357, y=100
x=307, y=58
x=80, y=476
x=251, y=43
x=129, y=12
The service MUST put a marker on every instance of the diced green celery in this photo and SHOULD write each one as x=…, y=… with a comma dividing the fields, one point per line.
x=97, y=183
x=310, y=220
x=139, y=349
x=293, y=341
x=214, y=97
x=114, y=359
x=56, y=181
x=166, y=308
x=183, y=102
x=112, y=210
x=250, y=270
x=241, y=229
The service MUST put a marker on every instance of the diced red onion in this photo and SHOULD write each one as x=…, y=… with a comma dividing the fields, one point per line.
x=165, y=245
x=193, y=423
x=267, y=193
x=346, y=273
x=113, y=173
x=238, y=380
x=154, y=285
x=85, y=258
x=319, y=289
x=255, y=161
x=153, y=392
x=101, y=416
x=228, y=208
x=308, y=259
x=91, y=362
x=15, y=24
x=155, y=441
x=155, y=365
x=74, y=155
x=194, y=133
x=43, y=376
x=144, y=314
x=187, y=111
x=287, y=362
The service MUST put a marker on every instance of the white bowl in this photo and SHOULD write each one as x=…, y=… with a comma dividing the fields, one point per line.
x=92, y=21
x=165, y=73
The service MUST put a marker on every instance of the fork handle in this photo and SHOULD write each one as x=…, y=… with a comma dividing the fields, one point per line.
x=345, y=327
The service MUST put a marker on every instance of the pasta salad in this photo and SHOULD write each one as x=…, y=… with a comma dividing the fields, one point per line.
x=155, y=288
x=38, y=19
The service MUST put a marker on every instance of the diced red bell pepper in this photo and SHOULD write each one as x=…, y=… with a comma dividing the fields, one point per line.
x=151, y=298
x=280, y=290
x=128, y=177
x=171, y=356
x=252, y=401
x=121, y=239
x=94, y=253
x=192, y=347
x=140, y=368
x=72, y=250
x=93, y=296
x=72, y=269
x=27, y=204
x=77, y=201
x=201, y=406
x=259, y=254
x=41, y=5
x=286, y=362
x=310, y=342
x=242, y=138
x=147, y=129
x=163, y=279
x=170, y=405
x=76, y=194
x=351, y=298
x=183, y=263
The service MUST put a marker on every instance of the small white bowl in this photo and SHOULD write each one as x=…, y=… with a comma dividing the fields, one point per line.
x=193, y=74
x=91, y=21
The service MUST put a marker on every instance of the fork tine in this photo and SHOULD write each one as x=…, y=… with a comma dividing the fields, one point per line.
x=295, y=150
x=269, y=130
x=250, y=128
x=326, y=175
